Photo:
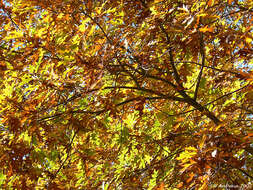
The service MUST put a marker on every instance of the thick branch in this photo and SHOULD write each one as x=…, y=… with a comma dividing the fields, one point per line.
x=204, y=111
x=225, y=95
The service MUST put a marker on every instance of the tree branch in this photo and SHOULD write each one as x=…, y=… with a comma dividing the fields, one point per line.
x=67, y=157
x=177, y=77
x=203, y=57
x=98, y=112
x=210, y=67
x=185, y=98
x=149, y=91
x=245, y=173
x=225, y=95
x=101, y=28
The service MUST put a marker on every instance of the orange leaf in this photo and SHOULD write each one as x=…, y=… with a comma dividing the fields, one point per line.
x=3, y=66
x=98, y=47
x=241, y=45
x=206, y=29
x=180, y=119
x=2, y=157
x=230, y=2
x=158, y=1
x=161, y=187
x=248, y=136
x=190, y=177
x=245, y=75
x=210, y=2
x=180, y=185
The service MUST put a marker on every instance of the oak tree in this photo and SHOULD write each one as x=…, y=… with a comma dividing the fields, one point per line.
x=144, y=94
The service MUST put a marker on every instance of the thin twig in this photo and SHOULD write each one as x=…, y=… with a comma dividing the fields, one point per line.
x=203, y=57
x=177, y=77
x=210, y=67
x=67, y=157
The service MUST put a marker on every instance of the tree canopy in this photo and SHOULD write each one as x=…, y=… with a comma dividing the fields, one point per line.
x=108, y=94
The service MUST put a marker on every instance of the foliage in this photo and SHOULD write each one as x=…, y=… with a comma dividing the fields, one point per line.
x=145, y=94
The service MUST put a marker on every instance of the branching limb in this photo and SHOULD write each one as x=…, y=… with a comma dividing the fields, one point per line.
x=188, y=99
x=178, y=87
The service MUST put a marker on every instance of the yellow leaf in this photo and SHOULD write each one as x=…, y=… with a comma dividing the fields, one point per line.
x=202, y=14
x=204, y=182
x=13, y=35
x=216, y=128
x=248, y=40
x=190, y=148
x=111, y=10
x=82, y=27
x=60, y=16
x=41, y=32
x=121, y=14
x=91, y=30
x=204, y=186
x=158, y=1
x=185, y=166
x=76, y=39
x=153, y=10
x=177, y=126
x=101, y=41
x=187, y=154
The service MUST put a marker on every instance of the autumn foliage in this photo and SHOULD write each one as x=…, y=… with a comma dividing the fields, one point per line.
x=108, y=94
